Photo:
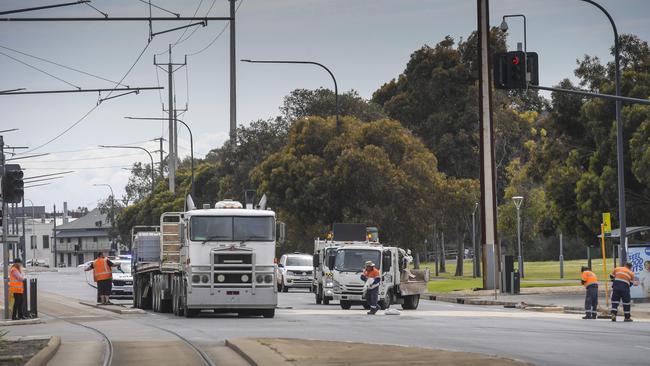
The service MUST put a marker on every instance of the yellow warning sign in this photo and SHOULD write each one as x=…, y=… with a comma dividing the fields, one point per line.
x=607, y=222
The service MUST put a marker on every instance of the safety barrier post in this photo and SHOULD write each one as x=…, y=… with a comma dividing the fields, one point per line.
x=33, y=297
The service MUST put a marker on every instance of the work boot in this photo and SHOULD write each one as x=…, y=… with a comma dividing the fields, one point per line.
x=372, y=311
x=586, y=317
x=613, y=316
x=627, y=319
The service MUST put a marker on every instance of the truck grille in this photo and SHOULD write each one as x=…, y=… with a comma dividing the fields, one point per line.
x=229, y=259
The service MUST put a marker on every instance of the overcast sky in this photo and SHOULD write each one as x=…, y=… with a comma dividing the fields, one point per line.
x=364, y=42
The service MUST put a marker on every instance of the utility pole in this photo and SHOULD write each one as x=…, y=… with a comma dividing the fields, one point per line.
x=490, y=244
x=54, y=235
x=233, y=75
x=562, y=257
x=171, y=111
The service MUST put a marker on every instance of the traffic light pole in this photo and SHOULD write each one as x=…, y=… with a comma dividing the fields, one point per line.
x=5, y=228
x=616, y=98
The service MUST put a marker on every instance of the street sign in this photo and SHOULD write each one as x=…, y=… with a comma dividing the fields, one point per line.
x=607, y=222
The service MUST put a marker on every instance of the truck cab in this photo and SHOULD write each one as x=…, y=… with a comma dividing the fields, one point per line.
x=399, y=285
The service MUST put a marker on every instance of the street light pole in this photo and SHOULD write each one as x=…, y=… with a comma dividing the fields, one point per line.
x=139, y=148
x=191, y=142
x=619, y=137
x=520, y=261
x=336, y=88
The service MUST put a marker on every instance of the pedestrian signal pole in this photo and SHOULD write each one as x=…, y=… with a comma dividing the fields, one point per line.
x=602, y=243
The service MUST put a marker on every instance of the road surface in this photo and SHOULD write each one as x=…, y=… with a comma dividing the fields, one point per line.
x=539, y=338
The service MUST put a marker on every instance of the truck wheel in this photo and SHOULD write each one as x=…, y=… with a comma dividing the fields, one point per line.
x=268, y=313
x=386, y=303
x=345, y=305
x=191, y=313
x=411, y=302
x=326, y=300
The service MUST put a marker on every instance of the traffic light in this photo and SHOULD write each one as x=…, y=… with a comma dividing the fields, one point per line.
x=12, y=184
x=515, y=70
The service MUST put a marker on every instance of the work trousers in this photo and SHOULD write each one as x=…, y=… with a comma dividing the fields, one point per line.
x=591, y=301
x=373, y=297
x=17, y=312
x=621, y=294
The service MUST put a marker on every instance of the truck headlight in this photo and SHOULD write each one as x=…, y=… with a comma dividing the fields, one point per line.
x=328, y=282
x=221, y=278
x=268, y=278
x=244, y=278
x=259, y=278
x=196, y=278
x=205, y=278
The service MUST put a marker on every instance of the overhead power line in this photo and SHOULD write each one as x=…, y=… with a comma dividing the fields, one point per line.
x=95, y=106
x=40, y=70
x=61, y=65
x=218, y=35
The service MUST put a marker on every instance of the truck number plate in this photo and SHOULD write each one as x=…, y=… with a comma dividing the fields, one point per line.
x=232, y=293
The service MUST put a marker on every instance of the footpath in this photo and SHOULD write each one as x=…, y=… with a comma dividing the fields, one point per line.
x=567, y=299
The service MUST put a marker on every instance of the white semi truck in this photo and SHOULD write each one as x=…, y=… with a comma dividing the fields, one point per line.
x=218, y=259
x=343, y=234
x=399, y=284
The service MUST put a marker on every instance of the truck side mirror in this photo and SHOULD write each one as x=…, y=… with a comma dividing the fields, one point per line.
x=331, y=261
x=281, y=231
x=181, y=230
x=315, y=261
x=386, y=262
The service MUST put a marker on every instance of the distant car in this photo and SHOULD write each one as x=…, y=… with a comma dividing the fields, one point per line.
x=37, y=263
x=122, y=280
x=85, y=265
x=295, y=271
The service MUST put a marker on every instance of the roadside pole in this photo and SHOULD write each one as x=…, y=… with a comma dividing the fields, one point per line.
x=602, y=243
x=561, y=257
x=5, y=228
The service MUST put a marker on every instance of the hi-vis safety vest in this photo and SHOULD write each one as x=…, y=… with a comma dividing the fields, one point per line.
x=372, y=277
x=15, y=284
x=589, y=278
x=623, y=274
x=101, y=270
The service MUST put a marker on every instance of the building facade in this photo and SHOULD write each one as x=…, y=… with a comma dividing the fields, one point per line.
x=81, y=240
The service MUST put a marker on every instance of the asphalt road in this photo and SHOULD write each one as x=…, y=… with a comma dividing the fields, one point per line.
x=540, y=338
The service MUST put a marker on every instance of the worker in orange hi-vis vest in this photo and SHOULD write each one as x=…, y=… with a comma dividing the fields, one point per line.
x=103, y=275
x=372, y=278
x=623, y=279
x=590, y=282
x=17, y=289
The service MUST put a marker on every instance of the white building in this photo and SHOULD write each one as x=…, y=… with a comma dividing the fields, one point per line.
x=82, y=240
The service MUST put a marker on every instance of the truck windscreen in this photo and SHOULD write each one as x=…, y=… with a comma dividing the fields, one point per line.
x=353, y=260
x=225, y=228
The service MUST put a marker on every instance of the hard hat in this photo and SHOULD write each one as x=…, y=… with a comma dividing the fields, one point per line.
x=369, y=263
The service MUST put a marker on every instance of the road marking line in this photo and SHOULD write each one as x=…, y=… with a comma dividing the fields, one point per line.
x=642, y=347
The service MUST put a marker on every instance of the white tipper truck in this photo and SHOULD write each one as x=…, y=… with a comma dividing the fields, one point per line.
x=342, y=234
x=399, y=284
x=218, y=259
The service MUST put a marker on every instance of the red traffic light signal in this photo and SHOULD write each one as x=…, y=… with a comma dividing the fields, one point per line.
x=515, y=60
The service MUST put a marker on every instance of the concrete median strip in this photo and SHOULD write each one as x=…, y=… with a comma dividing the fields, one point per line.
x=301, y=352
x=114, y=308
x=7, y=323
x=45, y=355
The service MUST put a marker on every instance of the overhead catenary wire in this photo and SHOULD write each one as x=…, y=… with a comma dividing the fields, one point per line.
x=218, y=35
x=179, y=40
x=86, y=159
x=94, y=107
x=150, y=4
x=40, y=70
x=97, y=10
x=77, y=168
x=61, y=65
